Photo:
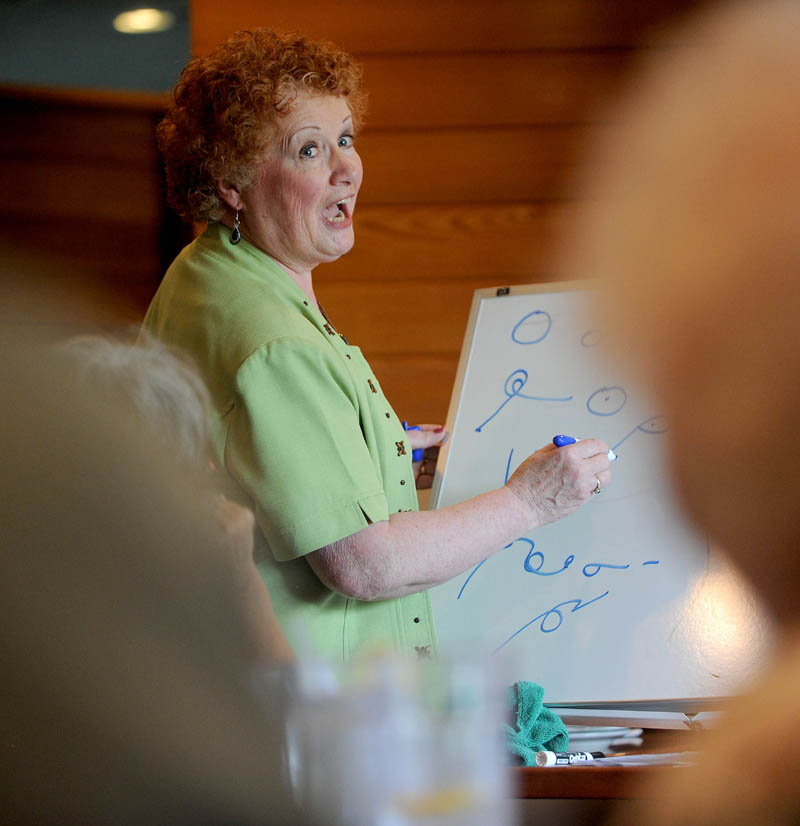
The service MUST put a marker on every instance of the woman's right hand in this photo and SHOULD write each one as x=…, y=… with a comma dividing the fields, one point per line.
x=555, y=481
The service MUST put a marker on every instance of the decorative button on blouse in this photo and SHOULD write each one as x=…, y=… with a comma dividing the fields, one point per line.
x=401, y=448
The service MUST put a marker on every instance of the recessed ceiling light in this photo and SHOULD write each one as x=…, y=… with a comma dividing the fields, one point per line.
x=144, y=21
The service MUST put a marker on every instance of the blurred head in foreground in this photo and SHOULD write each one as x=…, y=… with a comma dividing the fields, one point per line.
x=124, y=654
x=695, y=230
x=161, y=388
x=162, y=392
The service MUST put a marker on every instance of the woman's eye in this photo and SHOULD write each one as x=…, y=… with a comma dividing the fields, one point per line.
x=345, y=141
x=309, y=151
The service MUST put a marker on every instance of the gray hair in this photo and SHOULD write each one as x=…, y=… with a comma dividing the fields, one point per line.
x=163, y=388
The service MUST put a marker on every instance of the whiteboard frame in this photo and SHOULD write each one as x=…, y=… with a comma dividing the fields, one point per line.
x=478, y=297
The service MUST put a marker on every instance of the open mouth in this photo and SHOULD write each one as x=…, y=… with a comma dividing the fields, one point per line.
x=339, y=211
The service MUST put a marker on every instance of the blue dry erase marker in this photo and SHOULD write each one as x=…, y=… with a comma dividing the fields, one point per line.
x=562, y=441
x=416, y=455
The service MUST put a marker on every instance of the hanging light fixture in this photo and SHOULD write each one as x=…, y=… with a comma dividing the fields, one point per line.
x=144, y=21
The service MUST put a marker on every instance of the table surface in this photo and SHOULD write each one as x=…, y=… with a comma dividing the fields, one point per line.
x=596, y=782
x=602, y=782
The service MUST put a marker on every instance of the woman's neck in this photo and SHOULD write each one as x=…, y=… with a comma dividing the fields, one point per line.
x=303, y=280
x=300, y=277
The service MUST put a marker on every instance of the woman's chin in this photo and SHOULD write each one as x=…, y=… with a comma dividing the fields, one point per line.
x=339, y=246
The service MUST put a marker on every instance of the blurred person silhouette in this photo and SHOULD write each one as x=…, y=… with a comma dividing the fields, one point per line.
x=164, y=391
x=126, y=667
x=694, y=226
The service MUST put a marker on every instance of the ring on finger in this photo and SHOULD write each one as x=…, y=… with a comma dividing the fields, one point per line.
x=598, y=487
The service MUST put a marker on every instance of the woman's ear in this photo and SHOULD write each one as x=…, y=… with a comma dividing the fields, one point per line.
x=230, y=195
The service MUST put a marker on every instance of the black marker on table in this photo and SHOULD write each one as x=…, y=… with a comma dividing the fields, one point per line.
x=566, y=758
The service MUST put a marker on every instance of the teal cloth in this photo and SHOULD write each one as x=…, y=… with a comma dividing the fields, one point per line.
x=538, y=728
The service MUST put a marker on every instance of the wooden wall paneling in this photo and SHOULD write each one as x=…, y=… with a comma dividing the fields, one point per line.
x=471, y=165
x=398, y=317
x=48, y=129
x=82, y=204
x=124, y=251
x=492, y=89
x=502, y=242
x=418, y=385
x=443, y=25
x=75, y=188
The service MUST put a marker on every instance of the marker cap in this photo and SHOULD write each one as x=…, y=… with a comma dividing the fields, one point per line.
x=563, y=441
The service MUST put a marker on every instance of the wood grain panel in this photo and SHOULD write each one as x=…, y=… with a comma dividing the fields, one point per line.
x=522, y=88
x=103, y=100
x=31, y=129
x=114, y=250
x=501, y=242
x=81, y=203
x=471, y=165
x=402, y=317
x=442, y=25
x=417, y=385
x=399, y=317
x=64, y=294
x=79, y=190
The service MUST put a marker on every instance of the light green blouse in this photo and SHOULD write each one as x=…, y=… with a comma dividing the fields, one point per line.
x=303, y=427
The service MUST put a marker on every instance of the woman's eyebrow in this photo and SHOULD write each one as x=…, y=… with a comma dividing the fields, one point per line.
x=290, y=136
x=300, y=129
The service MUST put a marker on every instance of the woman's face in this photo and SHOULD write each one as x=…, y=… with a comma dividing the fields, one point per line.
x=300, y=207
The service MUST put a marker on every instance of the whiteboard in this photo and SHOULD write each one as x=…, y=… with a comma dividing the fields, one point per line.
x=621, y=601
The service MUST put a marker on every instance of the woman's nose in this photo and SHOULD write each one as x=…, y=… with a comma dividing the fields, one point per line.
x=346, y=167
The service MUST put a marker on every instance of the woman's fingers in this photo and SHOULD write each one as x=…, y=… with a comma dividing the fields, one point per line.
x=604, y=478
x=555, y=482
x=428, y=439
x=430, y=436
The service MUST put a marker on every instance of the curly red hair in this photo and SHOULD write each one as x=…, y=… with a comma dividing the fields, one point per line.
x=217, y=124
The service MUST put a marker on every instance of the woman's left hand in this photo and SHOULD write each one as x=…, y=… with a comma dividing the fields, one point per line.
x=430, y=437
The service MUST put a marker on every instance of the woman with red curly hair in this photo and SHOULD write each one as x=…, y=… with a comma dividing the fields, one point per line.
x=259, y=142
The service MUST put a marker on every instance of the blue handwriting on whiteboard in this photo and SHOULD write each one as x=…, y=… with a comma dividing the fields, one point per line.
x=651, y=426
x=529, y=566
x=606, y=401
x=594, y=568
x=513, y=387
x=554, y=612
x=472, y=574
x=537, y=317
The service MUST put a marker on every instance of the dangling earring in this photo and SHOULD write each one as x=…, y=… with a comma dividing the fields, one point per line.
x=236, y=236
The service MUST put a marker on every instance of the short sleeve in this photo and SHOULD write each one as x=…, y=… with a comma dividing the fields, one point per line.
x=295, y=444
